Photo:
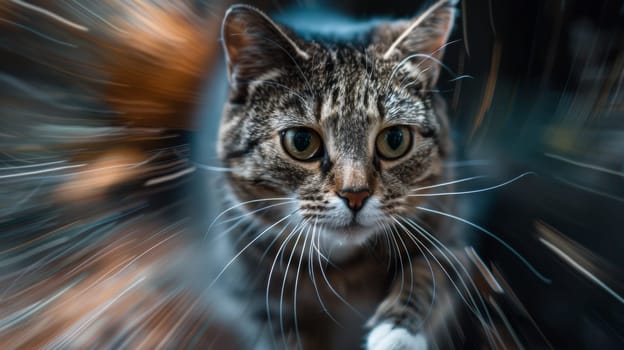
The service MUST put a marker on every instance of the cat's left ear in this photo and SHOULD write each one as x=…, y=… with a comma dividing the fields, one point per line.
x=424, y=37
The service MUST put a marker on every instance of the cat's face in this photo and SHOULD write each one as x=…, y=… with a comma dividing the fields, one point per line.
x=343, y=134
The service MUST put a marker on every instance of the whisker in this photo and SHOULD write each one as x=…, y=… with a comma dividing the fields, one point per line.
x=421, y=55
x=256, y=211
x=238, y=205
x=242, y=236
x=231, y=228
x=498, y=239
x=391, y=247
x=420, y=247
x=319, y=252
x=276, y=238
x=449, y=183
x=398, y=253
x=292, y=233
x=409, y=263
x=472, y=306
x=474, y=191
x=331, y=288
x=297, y=335
x=281, y=301
x=312, y=275
x=440, y=63
x=416, y=79
x=388, y=244
x=248, y=245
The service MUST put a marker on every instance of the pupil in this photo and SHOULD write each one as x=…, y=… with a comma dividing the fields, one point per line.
x=394, y=138
x=302, y=140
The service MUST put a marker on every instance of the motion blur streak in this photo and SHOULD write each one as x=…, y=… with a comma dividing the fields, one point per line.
x=576, y=256
x=96, y=103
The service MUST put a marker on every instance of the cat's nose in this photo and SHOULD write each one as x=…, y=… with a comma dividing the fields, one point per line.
x=354, y=198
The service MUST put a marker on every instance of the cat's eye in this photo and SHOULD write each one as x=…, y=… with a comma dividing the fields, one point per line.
x=302, y=143
x=393, y=142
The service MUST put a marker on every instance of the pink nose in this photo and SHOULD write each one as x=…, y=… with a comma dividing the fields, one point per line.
x=354, y=198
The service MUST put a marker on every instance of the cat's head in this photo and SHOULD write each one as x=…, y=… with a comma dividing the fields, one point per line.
x=341, y=132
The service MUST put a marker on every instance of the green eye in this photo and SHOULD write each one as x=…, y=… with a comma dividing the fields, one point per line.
x=393, y=142
x=302, y=143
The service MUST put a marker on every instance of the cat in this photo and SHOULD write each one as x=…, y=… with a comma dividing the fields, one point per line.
x=334, y=141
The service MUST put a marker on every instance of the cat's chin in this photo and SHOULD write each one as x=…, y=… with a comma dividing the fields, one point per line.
x=341, y=241
x=354, y=229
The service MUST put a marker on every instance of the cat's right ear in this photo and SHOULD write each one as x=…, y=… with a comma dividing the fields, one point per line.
x=254, y=45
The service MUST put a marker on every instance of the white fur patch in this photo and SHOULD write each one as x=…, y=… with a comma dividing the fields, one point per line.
x=386, y=337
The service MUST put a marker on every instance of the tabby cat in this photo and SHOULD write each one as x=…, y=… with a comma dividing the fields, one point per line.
x=332, y=143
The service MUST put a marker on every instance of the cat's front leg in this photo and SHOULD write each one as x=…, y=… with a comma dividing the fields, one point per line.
x=389, y=336
x=398, y=323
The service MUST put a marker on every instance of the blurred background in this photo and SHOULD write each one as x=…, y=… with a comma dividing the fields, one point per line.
x=109, y=112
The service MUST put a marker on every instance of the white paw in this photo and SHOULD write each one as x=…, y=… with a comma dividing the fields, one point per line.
x=385, y=337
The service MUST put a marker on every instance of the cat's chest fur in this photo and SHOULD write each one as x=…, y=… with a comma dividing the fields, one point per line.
x=329, y=300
